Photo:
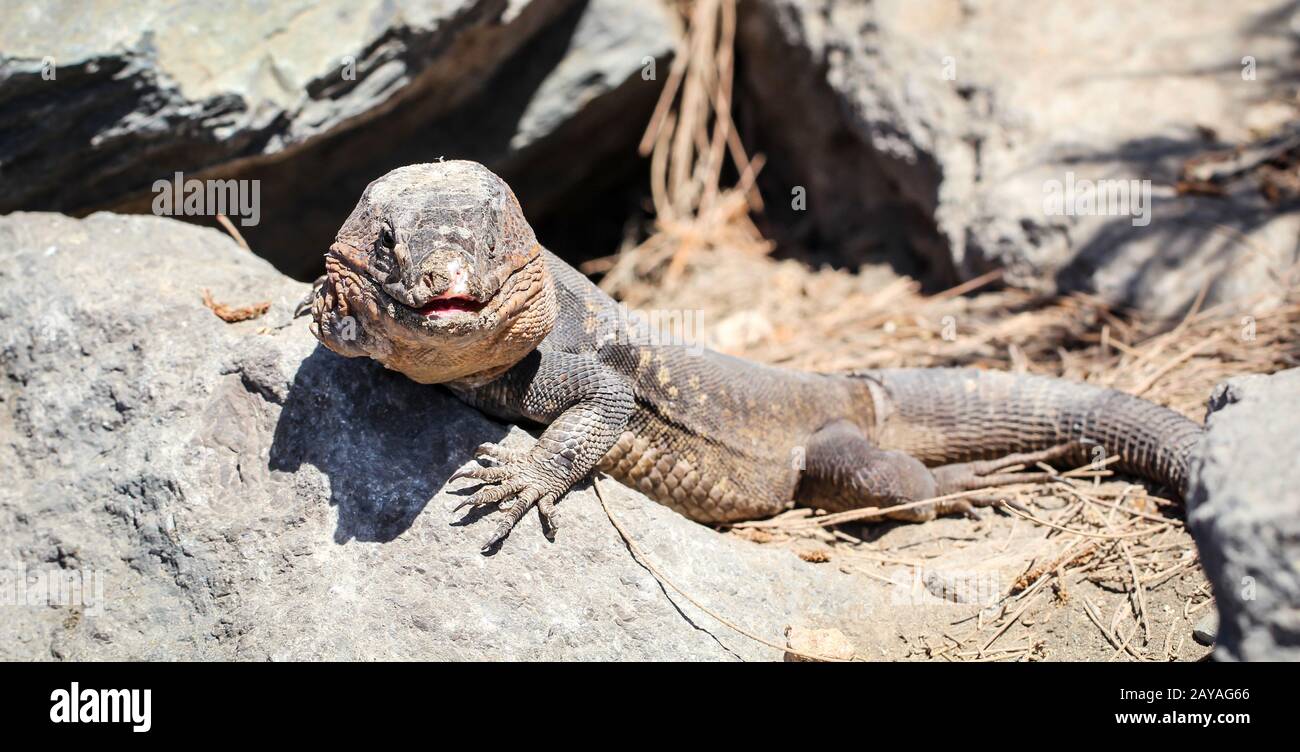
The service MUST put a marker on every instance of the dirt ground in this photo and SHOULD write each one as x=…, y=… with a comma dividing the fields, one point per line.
x=1090, y=566
x=1007, y=588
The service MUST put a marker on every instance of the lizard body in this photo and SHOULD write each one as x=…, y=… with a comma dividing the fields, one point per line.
x=437, y=275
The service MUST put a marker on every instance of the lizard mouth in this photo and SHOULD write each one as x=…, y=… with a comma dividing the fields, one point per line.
x=449, y=305
x=450, y=308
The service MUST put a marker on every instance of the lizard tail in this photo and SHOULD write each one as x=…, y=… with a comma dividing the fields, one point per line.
x=943, y=415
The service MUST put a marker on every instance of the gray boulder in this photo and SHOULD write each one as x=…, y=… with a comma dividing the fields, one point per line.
x=313, y=99
x=120, y=89
x=1244, y=511
x=932, y=133
x=235, y=491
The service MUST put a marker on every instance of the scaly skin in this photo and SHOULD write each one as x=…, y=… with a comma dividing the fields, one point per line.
x=436, y=274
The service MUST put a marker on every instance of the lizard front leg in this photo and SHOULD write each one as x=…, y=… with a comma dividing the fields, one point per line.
x=586, y=406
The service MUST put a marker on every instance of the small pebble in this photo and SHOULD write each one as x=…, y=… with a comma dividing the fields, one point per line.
x=828, y=643
x=1207, y=629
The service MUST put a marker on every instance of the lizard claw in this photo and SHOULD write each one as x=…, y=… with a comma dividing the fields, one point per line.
x=546, y=508
x=503, y=489
x=507, y=464
x=305, y=305
x=511, y=516
x=515, y=487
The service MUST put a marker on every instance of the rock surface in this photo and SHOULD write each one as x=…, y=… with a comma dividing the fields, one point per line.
x=925, y=132
x=1245, y=515
x=242, y=493
x=196, y=85
x=950, y=118
x=316, y=99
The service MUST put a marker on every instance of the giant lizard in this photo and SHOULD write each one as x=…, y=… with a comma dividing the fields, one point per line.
x=437, y=274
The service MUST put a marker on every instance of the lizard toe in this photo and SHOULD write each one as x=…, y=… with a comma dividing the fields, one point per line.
x=494, y=494
x=550, y=518
x=485, y=474
x=511, y=515
x=499, y=454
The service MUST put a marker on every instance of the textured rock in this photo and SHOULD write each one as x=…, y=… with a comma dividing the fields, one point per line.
x=242, y=493
x=196, y=85
x=315, y=99
x=559, y=121
x=838, y=103
x=1245, y=515
x=949, y=118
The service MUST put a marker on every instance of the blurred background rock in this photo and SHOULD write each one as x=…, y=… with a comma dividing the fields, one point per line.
x=921, y=132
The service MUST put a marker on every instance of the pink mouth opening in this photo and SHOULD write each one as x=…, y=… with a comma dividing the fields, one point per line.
x=450, y=306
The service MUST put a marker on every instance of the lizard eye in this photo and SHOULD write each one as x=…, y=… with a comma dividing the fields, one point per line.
x=386, y=237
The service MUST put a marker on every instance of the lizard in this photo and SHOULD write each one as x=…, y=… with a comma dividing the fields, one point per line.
x=437, y=274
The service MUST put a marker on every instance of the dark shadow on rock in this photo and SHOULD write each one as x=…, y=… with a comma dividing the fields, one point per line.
x=864, y=204
x=1186, y=233
x=386, y=444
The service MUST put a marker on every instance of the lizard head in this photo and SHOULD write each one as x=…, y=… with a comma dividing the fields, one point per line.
x=436, y=274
